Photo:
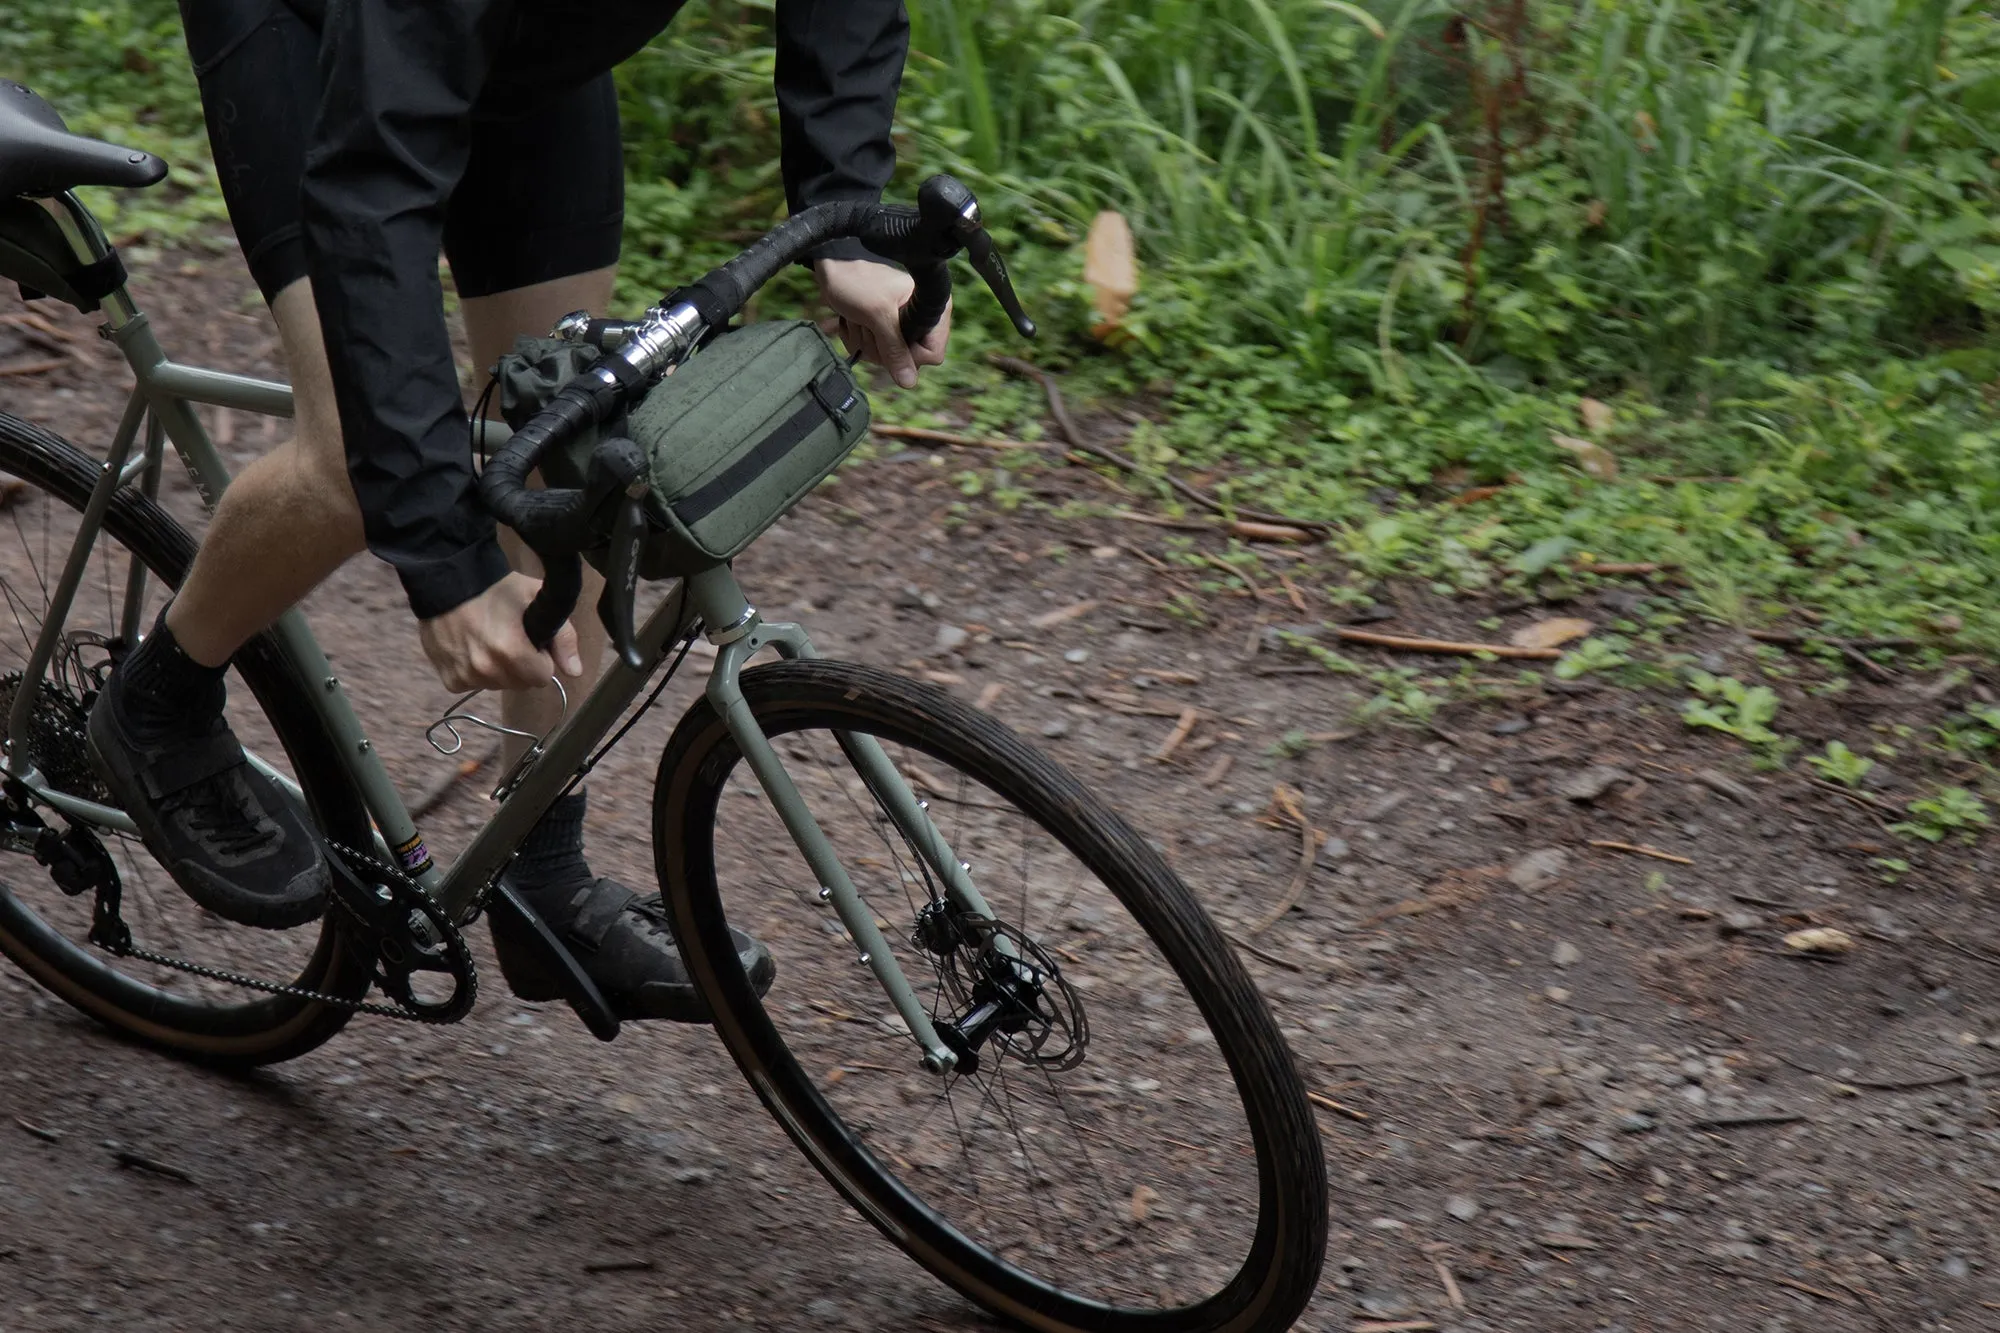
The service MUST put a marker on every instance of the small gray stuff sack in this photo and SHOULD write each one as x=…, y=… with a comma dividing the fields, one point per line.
x=736, y=437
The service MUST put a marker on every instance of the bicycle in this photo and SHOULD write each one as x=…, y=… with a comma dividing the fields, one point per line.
x=1002, y=1024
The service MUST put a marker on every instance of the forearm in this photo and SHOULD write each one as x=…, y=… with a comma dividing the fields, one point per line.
x=839, y=69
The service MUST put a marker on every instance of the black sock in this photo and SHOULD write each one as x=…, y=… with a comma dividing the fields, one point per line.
x=549, y=864
x=163, y=691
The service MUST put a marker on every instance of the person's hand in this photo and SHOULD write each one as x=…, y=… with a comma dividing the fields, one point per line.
x=480, y=645
x=869, y=299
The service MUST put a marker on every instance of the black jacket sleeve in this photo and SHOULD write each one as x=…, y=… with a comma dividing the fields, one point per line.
x=398, y=85
x=839, y=68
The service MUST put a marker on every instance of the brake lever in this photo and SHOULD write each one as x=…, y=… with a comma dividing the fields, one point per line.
x=615, y=605
x=988, y=264
x=947, y=205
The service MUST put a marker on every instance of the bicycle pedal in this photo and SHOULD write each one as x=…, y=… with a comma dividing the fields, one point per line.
x=556, y=964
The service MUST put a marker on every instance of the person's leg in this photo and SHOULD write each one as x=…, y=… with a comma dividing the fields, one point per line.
x=491, y=324
x=286, y=522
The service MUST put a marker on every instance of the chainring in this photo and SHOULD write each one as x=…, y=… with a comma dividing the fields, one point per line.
x=409, y=934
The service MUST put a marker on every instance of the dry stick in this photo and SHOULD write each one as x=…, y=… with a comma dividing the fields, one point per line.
x=45, y=1135
x=1956, y=947
x=1182, y=730
x=1452, y=1295
x=1309, y=840
x=1275, y=960
x=31, y=367
x=133, y=1161
x=1452, y=646
x=1292, y=591
x=1015, y=366
x=619, y=1266
x=951, y=438
x=1877, y=1085
x=1321, y=1099
x=1640, y=849
x=1791, y=639
x=1749, y=1121
x=1401, y=1326
x=443, y=787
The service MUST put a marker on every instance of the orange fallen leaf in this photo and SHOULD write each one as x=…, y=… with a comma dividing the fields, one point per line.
x=1111, y=268
x=1142, y=1201
x=1596, y=415
x=1550, y=633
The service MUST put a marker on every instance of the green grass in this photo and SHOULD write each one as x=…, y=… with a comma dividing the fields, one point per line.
x=1389, y=247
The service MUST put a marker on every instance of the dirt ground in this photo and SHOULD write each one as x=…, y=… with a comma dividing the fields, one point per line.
x=1568, y=1086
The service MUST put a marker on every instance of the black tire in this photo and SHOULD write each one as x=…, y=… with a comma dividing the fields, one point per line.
x=226, y=1026
x=1281, y=1262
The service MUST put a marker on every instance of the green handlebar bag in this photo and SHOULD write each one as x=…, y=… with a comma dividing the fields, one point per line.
x=736, y=437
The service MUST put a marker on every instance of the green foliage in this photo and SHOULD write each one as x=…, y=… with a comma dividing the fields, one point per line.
x=1598, y=653
x=1386, y=248
x=1728, y=705
x=1840, y=764
x=1953, y=810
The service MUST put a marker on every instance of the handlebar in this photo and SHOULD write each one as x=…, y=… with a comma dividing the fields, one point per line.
x=559, y=524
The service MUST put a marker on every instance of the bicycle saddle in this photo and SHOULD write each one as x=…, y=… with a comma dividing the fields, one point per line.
x=38, y=154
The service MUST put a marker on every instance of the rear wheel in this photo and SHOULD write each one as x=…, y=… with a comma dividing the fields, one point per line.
x=1128, y=1146
x=45, y=930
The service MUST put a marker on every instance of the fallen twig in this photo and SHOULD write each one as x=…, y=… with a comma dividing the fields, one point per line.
x=1050, y=619
x=134, y=1162
x=1880, y=1085
x=1619, y=567
x=1265, y=955
x=1321, y=1099
x=1401, y=1326
x=1218, y=770
x=958, y=441
x=619, y=1266
x=1452, y=1295
x=1291, y=803
x=45, y=1135
x=1956, y=947
x=1640, y=849
x=435, y=795
x=32, y=367
x=1015, y=366
x=1792, y=639
x=1749, y=1121
x=1452, y=646
x=1182, y=730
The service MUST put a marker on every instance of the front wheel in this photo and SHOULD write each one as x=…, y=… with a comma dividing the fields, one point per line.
x=1129, y=1149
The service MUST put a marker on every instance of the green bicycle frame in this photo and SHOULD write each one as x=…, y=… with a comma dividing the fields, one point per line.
x=161, y=407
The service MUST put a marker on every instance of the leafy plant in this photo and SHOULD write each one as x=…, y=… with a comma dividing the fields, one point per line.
x=1953, y=810
x=1593, y=654
x=1840, y=764
x=1728, y=705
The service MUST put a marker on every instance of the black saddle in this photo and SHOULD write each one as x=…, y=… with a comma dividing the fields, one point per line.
x=39, y=156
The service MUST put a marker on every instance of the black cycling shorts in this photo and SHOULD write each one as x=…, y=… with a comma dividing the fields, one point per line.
x=542, y=197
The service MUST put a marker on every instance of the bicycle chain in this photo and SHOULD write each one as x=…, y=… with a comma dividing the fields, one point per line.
x=66, y=728
x=358, y=861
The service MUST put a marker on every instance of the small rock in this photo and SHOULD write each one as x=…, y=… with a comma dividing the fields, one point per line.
x=1637, y=1122
x=1734, y=1249
x=1461, y=1206
x=1738, y=923
x=1717, y=781
x=1714, y=663
x=1386, y=1304
x=1539, y=867
x=1381, y=806
x=1566, y=954
x=1511, y=726
x=825, y=1311
x=1075, y=655
x=1557, y=994
x=1055, y=727
x=950, y=638
x=1332, y=850
x=1387, y=1224
x=694, y=1175
x=1957, y=1267
x=1589, y=784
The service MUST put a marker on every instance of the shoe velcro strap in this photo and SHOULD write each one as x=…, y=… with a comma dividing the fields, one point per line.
x=603, y=903
x=170, y=773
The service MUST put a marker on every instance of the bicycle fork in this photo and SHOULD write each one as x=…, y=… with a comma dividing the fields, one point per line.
x=738, y=633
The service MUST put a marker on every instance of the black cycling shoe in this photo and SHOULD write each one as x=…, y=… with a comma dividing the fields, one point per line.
x=224, y=831
x=623, y=943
